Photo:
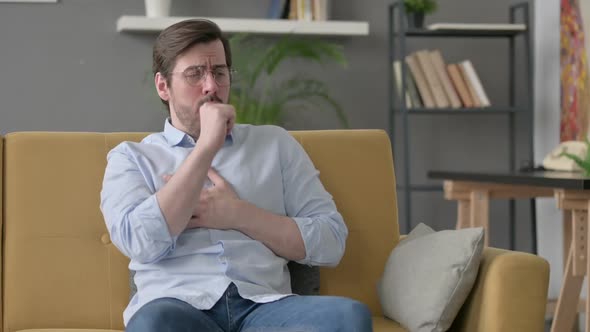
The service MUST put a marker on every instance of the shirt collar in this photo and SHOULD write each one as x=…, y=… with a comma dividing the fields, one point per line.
x=175, y=136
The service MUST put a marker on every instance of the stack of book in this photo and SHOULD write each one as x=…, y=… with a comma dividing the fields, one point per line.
x=305, y=10
x=430, y=83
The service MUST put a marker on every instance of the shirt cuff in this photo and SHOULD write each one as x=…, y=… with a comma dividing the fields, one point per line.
x=153, y=222
x=310, y=236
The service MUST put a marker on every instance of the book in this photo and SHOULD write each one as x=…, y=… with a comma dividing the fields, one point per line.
x=443, y=76
x=459, y=84
x=325, y=10
x=470, y=87
x=440, y=98
x=316, y=10
x=286, y=9
x=477, y=26
x=307, y=10
x=413, y=90
x=275, y=11
x=300, y=10
x=320, y=10
x=473, y=79
x=397, y=73
x=293, y=10
x=423, y=89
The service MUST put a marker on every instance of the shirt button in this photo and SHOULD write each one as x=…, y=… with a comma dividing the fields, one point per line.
x=105, y=239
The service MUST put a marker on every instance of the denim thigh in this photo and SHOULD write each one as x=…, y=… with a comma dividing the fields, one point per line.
x=309, y=314
x=171, y=315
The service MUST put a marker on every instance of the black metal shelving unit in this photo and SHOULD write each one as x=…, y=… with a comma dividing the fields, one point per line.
x=398, y=34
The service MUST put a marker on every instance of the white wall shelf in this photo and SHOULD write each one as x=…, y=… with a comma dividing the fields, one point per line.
x=143, y=24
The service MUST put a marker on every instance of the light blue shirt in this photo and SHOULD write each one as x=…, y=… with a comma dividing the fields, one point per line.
x=267, y=167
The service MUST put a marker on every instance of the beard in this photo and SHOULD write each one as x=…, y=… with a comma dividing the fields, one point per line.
x=189, y=118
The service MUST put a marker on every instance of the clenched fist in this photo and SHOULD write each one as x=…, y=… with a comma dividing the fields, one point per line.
x=217, y=120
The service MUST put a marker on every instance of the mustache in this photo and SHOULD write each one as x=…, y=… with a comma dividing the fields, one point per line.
x=209, y=98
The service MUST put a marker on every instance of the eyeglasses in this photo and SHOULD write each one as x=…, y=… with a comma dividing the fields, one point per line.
x=195, y=75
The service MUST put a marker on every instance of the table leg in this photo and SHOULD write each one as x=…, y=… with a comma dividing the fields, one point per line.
x=567, y=234
x=584, y=251
x=568, y=221
x=480, y=212
x=567, y=242
x=569, y=294
x=463, y=212
x=580, y=242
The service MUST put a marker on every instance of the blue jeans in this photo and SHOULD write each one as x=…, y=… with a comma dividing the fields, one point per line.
x=232, y=313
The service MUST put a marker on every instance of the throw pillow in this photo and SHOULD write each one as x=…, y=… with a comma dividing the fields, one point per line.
x=429, y=275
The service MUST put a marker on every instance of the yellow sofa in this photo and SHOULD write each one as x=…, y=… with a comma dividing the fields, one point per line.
x=60, y=270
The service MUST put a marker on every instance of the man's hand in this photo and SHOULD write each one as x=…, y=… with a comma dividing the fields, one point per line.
x=216, y=208
x=217, y=120
x=220, y=208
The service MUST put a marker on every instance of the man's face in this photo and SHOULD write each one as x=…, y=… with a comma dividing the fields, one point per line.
x=185, y=94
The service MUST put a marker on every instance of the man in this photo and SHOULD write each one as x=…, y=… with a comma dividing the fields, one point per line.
x=211, y=212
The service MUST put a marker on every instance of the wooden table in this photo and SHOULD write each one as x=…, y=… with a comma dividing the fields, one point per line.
x=473, y=192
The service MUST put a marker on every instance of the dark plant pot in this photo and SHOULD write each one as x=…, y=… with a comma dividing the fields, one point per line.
x=415, y=20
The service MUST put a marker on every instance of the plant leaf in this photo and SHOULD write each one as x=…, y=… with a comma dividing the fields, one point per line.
x=585, y=165
x=303, y=89
x=257, y=100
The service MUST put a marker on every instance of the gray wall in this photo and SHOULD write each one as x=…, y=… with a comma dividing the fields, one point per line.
x=547, y=116
x=64, y=67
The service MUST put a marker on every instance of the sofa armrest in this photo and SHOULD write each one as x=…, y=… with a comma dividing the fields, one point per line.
x=510, y=294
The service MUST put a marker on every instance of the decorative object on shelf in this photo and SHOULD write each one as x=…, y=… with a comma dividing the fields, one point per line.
x=157, y=8
x=259, y=98
x=416, y=10
x=574, y=150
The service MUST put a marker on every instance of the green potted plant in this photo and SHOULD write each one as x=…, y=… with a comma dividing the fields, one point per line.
x=417, y=9
x=260, y=97
x=583, y=163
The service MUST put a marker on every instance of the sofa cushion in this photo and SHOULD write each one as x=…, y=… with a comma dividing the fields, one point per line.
x=429, y=275
x=384, y=324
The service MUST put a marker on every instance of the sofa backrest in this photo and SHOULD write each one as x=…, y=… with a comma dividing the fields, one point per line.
x=61, y=271
x=356, y=167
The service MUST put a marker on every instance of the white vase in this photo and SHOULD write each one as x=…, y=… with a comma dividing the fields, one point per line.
x=157, y=8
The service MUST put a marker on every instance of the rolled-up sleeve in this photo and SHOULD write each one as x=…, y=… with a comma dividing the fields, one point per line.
x=131, y=211
x=322, y=227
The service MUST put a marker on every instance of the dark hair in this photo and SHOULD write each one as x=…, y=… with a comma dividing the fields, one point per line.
x=178, y=38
